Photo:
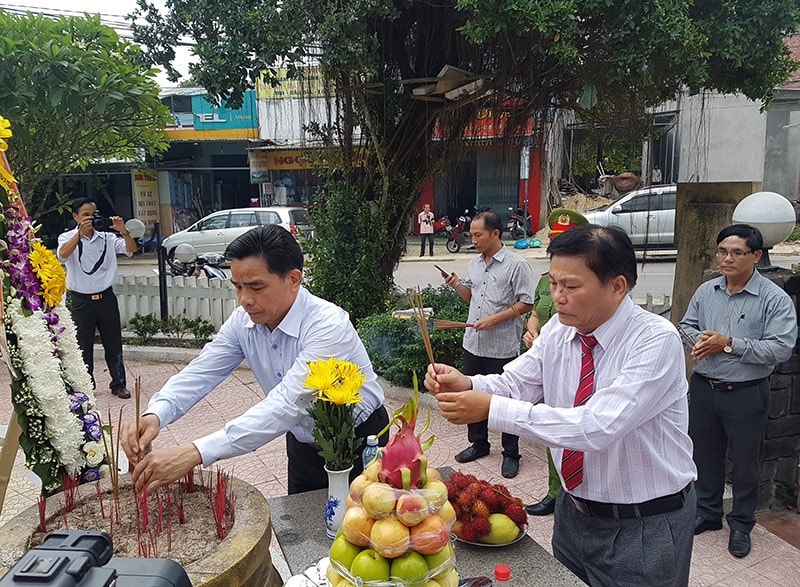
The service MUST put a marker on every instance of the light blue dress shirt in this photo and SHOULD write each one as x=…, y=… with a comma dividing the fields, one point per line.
x=312, y=329
x=760, y=319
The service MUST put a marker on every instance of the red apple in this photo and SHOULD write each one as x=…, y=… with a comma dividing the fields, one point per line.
x=430, y=535
x=412, y=509
x=357, y=526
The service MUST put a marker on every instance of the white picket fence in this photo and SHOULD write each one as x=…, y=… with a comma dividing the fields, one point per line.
x=213, y=299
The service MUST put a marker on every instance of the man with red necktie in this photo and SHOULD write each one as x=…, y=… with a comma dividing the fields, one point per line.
x=615, y=414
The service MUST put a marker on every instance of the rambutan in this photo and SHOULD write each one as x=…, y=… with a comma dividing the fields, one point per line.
x=491, y=498
x=470, y=533
x=458, y=481
x=480, y=509
x=517, y=513
x=474, y=487
x=465, y=499
x=482, y=526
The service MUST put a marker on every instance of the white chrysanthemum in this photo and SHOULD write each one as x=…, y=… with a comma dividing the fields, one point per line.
x=73, y=368
x=43, y=374
x=94, y=453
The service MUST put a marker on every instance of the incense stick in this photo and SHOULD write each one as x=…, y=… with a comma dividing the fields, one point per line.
x=419, y=313
x=519, y=317
x=138, y=394
x=447, y=324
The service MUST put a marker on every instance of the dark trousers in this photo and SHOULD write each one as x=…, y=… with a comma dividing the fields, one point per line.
x=728, y=420
x=102, y=315
x=423, y=238
x=478, y=432
x=653, y=550
x=306, y=471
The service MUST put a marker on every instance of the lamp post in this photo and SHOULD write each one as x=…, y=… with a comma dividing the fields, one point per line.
x=770, y=213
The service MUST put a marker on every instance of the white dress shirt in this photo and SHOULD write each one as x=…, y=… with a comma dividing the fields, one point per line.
x=312, y=329
x=633, y=430
x=80, y=264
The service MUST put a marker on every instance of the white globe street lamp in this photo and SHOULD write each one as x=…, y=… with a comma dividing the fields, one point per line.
x=770, y=213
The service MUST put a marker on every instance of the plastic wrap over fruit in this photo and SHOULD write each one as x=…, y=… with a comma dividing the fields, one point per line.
x=394, y=537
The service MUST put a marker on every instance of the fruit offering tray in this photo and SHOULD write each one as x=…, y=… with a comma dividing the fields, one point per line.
x=486, y=514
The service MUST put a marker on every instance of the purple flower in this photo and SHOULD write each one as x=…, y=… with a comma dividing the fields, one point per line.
x=20, y=272
x=51, y=318
x=76, y=401
x=89, y=418
x=90, y=475
x=94, y=431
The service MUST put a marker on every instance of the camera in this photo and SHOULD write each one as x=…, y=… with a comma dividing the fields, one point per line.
x=100, y=223
x=82, y=558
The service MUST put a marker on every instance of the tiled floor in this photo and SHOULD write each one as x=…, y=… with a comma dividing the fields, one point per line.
x=772, y=562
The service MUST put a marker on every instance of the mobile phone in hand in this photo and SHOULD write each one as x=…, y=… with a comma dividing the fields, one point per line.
x=687, y=340
x=444, y=273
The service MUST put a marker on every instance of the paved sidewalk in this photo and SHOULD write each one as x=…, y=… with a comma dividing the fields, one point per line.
x=772, y=561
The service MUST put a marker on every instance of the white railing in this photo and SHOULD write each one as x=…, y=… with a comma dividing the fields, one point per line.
x=213, y=299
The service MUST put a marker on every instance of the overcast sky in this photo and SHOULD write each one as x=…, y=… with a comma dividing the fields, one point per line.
x=112, y=13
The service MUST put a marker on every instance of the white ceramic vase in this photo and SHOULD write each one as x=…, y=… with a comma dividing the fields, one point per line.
x=338, y=489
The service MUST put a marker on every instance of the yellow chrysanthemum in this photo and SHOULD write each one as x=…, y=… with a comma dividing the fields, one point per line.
x=50, y=273
x=335, y=380
x=5, y=132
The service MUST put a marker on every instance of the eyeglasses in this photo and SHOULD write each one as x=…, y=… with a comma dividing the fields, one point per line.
x=736, y=254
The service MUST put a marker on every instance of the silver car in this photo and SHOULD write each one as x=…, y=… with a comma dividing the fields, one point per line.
x=213, y=233
x=647, y=215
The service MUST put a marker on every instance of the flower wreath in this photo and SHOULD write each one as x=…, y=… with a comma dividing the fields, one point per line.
x=51, y=388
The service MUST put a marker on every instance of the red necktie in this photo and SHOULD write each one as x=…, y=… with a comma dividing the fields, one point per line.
x=572, y=460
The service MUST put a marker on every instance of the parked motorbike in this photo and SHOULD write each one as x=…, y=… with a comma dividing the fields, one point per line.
x=186, y=262
x=459, y=236
x=442, y=226
x=520, y=224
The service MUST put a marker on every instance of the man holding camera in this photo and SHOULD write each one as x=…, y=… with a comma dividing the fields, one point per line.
x=90, y=255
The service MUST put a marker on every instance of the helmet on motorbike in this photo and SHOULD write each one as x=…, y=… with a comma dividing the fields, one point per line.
x=185, y=253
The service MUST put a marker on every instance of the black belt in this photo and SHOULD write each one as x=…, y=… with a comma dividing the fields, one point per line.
x=626, y=511
x=718, y=385
x=94, y=297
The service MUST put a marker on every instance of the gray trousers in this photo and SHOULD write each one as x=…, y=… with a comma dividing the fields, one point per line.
x=652, y=551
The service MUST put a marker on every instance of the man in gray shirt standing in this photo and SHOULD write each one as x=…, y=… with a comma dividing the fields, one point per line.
x=499, y=289
x=743, y=326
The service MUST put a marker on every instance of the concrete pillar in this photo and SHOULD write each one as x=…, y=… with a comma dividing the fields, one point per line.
x=702, y=210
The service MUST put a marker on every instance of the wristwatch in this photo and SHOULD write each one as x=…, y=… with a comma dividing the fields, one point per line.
x=728, y=348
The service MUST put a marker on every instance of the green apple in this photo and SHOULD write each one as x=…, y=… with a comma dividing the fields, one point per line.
x=343, y=552
x=441, y=562
x=409, y=569
x=503, y=531
x=370, y=566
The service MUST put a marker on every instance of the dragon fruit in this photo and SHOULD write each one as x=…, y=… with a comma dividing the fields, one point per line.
x=403, y=461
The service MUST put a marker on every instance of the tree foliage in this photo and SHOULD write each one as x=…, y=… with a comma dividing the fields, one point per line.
x=608, y=60
x=75, y=93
